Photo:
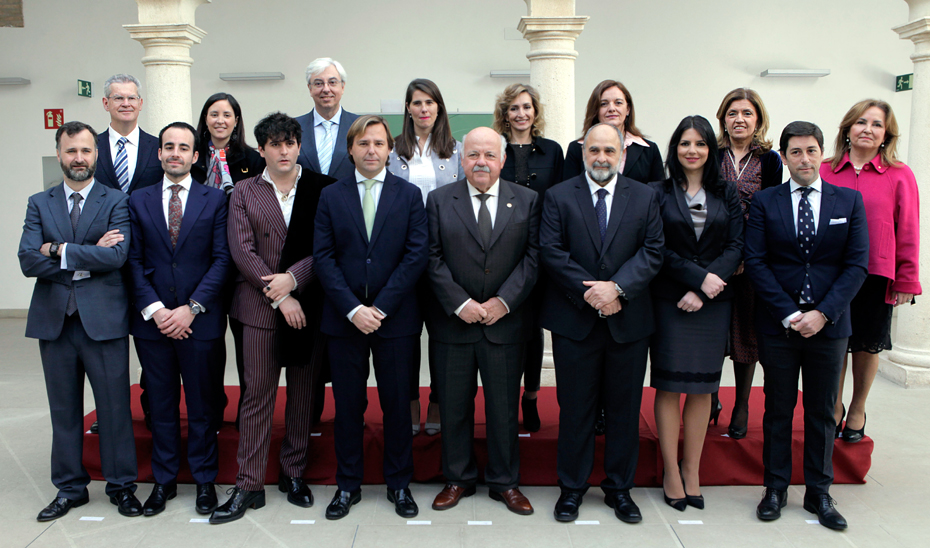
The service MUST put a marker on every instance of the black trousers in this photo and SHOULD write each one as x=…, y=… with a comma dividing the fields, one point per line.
x=393, y=358
x=500, y=367
x=817, y=360
x=583, y=370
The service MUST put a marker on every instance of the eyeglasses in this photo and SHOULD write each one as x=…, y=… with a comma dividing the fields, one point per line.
x=332, y=82
x=118, y=99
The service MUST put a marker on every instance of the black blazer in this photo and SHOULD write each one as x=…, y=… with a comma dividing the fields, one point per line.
x=545, y=166
x=244, y=165
x=642, y=164
x=572, y=252
x=687, y=259
x=148, y=167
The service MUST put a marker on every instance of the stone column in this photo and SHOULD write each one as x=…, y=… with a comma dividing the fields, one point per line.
x=551, y=28
x=909, y=361
x=166, y=30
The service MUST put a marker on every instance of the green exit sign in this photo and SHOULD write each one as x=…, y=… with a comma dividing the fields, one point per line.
x=905, y=82
x=85, y=89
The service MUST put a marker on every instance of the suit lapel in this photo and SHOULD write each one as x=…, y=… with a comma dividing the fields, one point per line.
x=142, y=159
x=196, y=200
x=267, y=202
x=583, y=195
x=713, y=209
x=104, y=160
x=617, y=209
x=633, y=152
x=349, y=192
x=309, y=148
x=461, y=203
x=58, y=205
x=339, y=149
x=683, y=207
x=89, y=212
x=385, y=201
x=153, y=203
x=505, y=198
x=827, y=202
x=783, y=199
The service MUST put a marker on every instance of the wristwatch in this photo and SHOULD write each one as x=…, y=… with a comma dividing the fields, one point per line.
x=53, y=249
x=196, y=308
x=619, y=290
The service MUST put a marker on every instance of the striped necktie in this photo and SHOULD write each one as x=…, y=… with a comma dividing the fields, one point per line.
x=121, y=165
x=325, y=150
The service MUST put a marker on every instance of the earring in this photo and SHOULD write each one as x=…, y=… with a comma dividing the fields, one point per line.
x=883, y=145
x=847, y=140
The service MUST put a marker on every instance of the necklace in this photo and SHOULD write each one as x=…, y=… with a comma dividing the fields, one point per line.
x=739, y=172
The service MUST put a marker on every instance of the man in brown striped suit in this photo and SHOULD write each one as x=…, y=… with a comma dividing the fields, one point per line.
x=278, y=300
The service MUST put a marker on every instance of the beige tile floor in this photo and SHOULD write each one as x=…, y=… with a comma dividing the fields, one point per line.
x=886, y=511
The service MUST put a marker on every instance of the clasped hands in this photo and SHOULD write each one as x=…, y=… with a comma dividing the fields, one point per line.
x=174, y=324
x=808, y=323
x=711, y=287
x=603, y=297
x=486, y=313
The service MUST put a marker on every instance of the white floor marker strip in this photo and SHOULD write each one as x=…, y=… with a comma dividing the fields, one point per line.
x=690, y=522
x=594, y=522
x=200, y=520
x=303, y=521
x=479, y=523
x=411, y=522
x=90, y=518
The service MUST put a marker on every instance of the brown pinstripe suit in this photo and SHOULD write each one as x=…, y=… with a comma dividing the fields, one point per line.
x=257, y=237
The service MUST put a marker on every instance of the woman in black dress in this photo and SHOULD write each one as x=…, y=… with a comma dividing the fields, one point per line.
x=534, y=162
x=611, y=103
x=703, y=227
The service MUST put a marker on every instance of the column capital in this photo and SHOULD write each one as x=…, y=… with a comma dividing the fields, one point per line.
x=535, y=28
x=166, y=43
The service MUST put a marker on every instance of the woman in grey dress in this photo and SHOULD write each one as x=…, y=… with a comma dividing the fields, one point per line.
x=703, y=226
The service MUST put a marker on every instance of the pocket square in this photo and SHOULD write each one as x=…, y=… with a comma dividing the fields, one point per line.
x=840, y=221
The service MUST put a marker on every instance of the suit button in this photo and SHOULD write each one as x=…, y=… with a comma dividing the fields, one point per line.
x=487, y=271
x=174, y=265
x=603, y=267
x=807, y=266
x=368, y=261
x=171, y=289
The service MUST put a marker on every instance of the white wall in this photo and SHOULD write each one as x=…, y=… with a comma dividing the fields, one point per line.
x=678, y=57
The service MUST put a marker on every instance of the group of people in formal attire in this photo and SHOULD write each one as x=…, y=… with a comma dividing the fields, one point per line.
x=334, y=241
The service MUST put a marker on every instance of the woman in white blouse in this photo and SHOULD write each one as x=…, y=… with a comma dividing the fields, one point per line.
x=426, y=154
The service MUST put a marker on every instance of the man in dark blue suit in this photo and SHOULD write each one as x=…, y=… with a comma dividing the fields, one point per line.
x=806, y=253
x=179, y=261
x=370, y=248
x=325, y=127
x=73, y=245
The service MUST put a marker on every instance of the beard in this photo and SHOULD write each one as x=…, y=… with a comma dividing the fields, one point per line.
x=79, y=176
x=601, y=172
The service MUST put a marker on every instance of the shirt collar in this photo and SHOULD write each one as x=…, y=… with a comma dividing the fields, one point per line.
x=493, y=191
x=876, y=163
x=359, y=178
x=185, y=183
x=133, y=136
x=317, y=119
x=629, y=139
x=85, y=192
x=594, y=187
x=267, y=178
x=816, y=185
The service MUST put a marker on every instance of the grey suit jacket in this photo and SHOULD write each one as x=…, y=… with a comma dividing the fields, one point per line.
x=102, y=299
x=461, y=268
x=339, y=167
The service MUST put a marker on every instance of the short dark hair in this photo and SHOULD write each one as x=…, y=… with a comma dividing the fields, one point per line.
x=710, y=178
x=277, y=126
x=179, y=125
x=72, y=129
x=359, y=126
x=799, y=129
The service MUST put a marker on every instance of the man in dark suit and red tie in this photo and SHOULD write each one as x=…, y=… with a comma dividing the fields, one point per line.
x=278, y=300
x=806, y=254
x=178, y=262
x=484, y=238
x=370, y=246
x=601, y=243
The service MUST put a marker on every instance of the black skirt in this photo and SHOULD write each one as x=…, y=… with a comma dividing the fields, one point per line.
x=870, y=316
x=687, y=349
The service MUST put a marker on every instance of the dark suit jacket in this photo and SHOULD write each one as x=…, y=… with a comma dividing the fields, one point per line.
x=687, y=259
x=382, y=272
x=148, y=167
x=461, y=268
x=245, y=165
x=572, y=252
x=838, y=261
x=545, y=165
x=196, y=269
x=102, y=299
x=642, y=164
x=340, y=167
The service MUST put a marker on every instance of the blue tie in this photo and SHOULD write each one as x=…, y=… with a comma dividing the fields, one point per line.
x=806, y=239
x=324, y=151
x=121, y=165
x=600, y=209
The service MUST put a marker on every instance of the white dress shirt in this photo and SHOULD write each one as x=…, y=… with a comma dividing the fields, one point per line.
x=494, y=194
x=422, y=171
x=609, y=187
x=376, y=194
x=63, y=252
x=286, y=202
x=814, y=199
x=131, y=146
x=319, y=130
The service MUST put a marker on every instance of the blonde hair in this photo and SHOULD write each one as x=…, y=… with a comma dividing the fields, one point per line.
x=888, y=146
x=504, y=100
x=762, y=126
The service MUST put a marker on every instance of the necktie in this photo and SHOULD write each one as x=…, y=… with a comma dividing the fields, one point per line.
x=600, y=209
x=484, y=219
x=806, y=238
x=76, y=198
x=325, y=150
x=368, y=206
x=121, y=165
x=174, y=214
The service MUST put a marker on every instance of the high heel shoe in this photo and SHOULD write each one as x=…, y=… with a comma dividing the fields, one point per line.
x=738, y=431
x=715, y=408
x=839, y=423
x=415, y=417
x=696, y=501
x=677, y=504
x=854, y=436
x=432, y=428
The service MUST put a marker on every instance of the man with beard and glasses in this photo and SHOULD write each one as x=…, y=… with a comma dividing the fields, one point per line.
x=80, y=314
x=601, y=242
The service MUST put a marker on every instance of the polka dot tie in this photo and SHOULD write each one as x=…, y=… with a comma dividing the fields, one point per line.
x=806, y=240
x=600, y=209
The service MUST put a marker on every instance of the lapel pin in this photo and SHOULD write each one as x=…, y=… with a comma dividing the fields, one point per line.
x=509, y=204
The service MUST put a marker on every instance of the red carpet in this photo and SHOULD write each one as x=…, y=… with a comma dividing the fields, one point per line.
x=725, y=461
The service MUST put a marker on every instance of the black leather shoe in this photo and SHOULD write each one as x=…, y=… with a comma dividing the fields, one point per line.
x=239, y=501
x=531, y=422
x=342, y=501
x=206, y=501
x=127, y=503
x=403, y=501
x=600, y=425
x=772, y=502
x=854, y=436
x=822, y=505
x=839, y=423
x=566, y=508
x=624, y=507
x=59, y=507
x=297, y=491
x=160, y=496
x=95, y=428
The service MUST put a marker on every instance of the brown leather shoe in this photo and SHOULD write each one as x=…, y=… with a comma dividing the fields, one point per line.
x=450, y=495
x=515, y=501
